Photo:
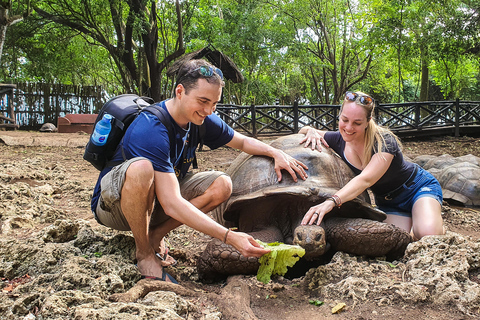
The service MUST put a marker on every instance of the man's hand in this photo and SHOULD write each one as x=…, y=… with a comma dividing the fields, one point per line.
x=282, y=160
x=292, y=165
x=246, y=244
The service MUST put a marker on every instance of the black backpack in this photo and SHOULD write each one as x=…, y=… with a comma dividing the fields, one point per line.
x=124, y=109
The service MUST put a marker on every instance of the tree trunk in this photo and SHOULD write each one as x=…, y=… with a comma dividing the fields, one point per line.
x=3, y=34
x=424, y=83
x=6, y=21
x=150, y=40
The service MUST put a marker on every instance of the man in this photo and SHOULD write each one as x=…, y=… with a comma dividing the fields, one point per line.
x=151, y=193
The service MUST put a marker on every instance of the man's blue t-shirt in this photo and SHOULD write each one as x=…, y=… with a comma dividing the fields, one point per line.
x=148, y=137
x=396, y=175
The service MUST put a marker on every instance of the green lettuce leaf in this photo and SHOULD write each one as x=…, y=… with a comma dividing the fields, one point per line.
x=277, y=260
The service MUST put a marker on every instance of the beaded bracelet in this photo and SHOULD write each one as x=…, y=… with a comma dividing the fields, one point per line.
x=336, y=199
x=226, y=234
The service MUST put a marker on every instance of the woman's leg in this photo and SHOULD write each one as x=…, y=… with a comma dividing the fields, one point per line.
x=399, y=221
x=427, y=218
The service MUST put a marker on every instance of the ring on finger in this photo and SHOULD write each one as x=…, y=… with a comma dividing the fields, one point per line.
x=315, y=213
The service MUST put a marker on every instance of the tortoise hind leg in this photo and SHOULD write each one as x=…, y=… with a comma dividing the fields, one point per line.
x=367, y=237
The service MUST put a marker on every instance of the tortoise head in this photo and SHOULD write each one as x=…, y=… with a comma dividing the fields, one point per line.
x=312, y=239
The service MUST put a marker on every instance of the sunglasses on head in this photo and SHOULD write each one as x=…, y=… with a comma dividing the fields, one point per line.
x=363, y=99
x=207, y=71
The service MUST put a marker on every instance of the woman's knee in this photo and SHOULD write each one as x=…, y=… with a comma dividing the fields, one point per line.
x=428, y=226
x=427, y=218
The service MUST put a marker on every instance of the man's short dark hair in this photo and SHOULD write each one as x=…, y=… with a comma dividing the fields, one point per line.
x=188, y=75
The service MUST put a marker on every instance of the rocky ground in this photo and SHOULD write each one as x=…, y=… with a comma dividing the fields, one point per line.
x=56, y=262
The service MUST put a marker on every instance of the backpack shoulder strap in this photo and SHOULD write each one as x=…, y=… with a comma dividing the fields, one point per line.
x=164, y=118
x=162, y=115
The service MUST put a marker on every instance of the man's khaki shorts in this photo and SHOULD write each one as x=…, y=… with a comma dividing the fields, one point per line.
x=109, y=211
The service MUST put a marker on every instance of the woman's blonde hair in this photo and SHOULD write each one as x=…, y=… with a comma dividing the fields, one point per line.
x=374, y=134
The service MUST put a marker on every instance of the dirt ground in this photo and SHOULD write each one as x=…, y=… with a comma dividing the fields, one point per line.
x=280, y=300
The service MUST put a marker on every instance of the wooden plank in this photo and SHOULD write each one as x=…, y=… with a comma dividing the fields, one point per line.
x=7, y=119
x=9, y=125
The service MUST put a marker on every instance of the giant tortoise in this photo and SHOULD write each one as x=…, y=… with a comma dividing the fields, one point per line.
x=458, y=176
x=272, y=211
x=48, y=127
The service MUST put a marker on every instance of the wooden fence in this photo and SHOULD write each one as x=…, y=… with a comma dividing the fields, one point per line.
x=7, y=117
x=35, y=104
x=405, y=119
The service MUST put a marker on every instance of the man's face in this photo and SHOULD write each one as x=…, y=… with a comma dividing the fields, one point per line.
x=200, y=101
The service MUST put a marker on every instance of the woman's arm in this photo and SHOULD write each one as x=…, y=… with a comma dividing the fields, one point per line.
x=375, y=169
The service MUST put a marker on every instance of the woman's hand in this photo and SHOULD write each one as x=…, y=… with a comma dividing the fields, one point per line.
x=315, y=214
x=314, y=139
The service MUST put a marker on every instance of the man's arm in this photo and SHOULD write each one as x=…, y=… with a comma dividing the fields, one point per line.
x=175, y=206
x=282, y=160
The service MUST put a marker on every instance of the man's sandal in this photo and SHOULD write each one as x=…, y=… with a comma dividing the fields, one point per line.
x=165, y=257
x=164, y=275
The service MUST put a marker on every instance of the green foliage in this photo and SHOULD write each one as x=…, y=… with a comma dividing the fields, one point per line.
x=277, y=261
x=316, y=303
x=42, y=54
x=309, y=51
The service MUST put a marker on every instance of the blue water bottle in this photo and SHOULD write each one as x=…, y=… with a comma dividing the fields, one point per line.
x=101, y=131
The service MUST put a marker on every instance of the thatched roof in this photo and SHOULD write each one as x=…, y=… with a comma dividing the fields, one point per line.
x=215, y=57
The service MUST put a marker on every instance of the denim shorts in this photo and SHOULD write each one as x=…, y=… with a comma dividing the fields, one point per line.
x=424, y=184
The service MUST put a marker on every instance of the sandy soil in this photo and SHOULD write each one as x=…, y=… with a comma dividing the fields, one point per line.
x=280, y=300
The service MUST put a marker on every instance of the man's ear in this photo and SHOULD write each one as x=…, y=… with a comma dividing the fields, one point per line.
x=179, y=90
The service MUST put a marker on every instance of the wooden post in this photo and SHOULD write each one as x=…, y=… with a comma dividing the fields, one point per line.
x=7, y=91
x=334, y=121
x=295, y=117
x=254, y=120
x=10, y=106
x=457, y=118
x=417, y=116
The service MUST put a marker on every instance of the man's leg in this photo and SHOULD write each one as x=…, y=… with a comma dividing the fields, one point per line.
x=137, y=201
x=216, y=193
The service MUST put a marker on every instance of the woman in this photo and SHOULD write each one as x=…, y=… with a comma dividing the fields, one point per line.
x=409, y=195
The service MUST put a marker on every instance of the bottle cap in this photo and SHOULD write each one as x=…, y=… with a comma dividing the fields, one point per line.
x=107, y=116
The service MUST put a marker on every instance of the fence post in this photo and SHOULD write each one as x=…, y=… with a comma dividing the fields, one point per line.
x=417, y=116
x=457, y=117
x=254, y=120
x=334, y=120
x=295, y=117
x=10, y=106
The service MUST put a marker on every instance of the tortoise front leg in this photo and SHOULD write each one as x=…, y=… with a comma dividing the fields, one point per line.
x=367, y=237
x=219, y=258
